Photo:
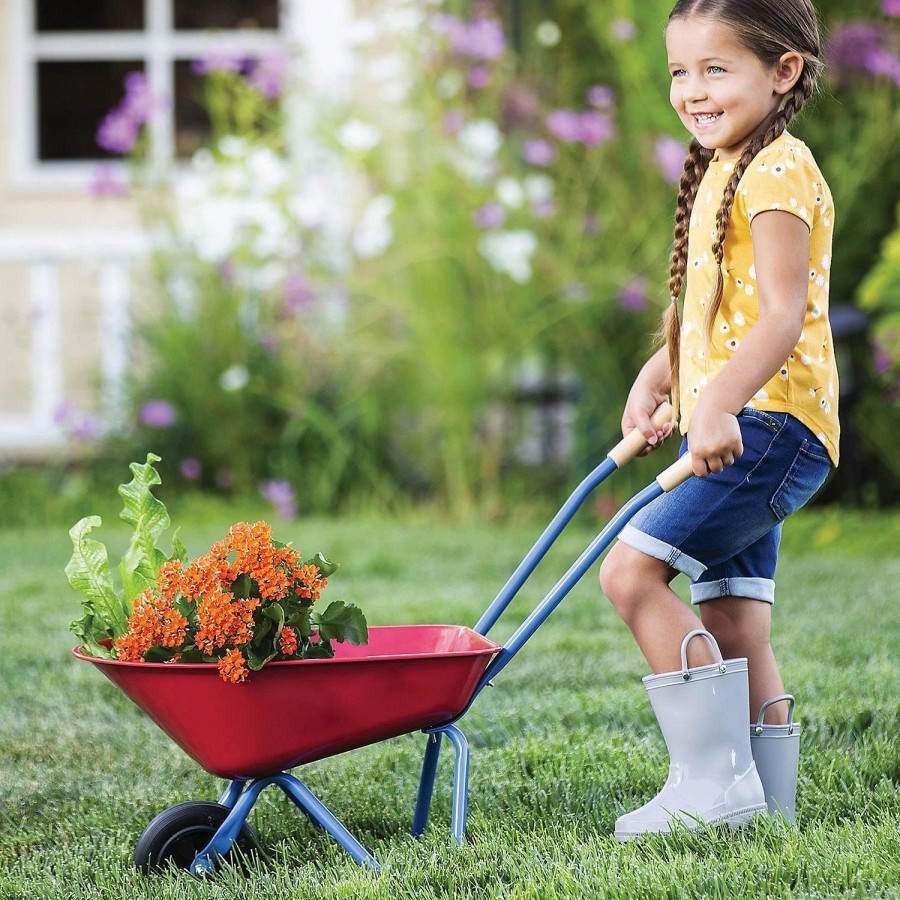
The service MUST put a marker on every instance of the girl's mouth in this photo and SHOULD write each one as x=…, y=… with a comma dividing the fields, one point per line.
x=706, y=118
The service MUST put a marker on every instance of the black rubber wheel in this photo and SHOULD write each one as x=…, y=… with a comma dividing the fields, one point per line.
x=180, y=832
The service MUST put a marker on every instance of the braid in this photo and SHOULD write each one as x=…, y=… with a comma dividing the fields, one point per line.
x=802, y=91
x=695, y=166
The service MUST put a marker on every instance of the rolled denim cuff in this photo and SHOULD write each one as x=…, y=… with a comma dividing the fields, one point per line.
x=658, y=549
x=749, y=588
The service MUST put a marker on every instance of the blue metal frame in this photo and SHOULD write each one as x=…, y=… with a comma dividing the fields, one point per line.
x=240, y=796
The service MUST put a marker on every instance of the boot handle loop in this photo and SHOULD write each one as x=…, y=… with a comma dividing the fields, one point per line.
x=789, y=698
x=685, y=671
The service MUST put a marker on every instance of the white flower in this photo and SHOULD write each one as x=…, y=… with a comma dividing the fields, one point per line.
x=234, y=378
x=373, y=235
x=481, y=139
x=548, y=33
x=449, y=85
x=510, y=193
x=267, y=170
x=357, y=136
x=538, y=188
x=509, y=252
x=231, y=146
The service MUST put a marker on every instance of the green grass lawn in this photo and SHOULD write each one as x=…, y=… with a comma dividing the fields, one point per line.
x=561, y=746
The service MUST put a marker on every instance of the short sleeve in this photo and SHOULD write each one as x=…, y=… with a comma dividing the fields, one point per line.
x=782, y=178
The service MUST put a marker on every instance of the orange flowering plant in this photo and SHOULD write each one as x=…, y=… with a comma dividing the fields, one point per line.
x=247, y=601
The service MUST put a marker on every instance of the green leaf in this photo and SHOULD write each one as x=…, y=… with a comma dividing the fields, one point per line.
x=325, y=566
x=88, y=572
x=242, y=586
x=256, y=662
x=299, y=621
x=342, y=622
x=275, y=612
x=179, y=551
x=149, y=519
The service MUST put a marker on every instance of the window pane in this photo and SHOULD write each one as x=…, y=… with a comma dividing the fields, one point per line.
x=73, y=98
x=192, y=124
x=191, y=15
x=89, y=15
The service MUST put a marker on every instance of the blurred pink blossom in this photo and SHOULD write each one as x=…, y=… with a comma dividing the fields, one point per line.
x=270, y=73
x=479, y=77
x=538, y=152
x=218, y=59
x=890, y=7
x=670, y=154
x=481, y=38
x=280, y=494
x=633, y=295
x=107, y=181
x=158, y=414
x=600, y=96
x=190, y=468
x=453, y=121
x=491, y=215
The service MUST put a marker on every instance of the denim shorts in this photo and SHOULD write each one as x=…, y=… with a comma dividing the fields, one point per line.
x=723, y=531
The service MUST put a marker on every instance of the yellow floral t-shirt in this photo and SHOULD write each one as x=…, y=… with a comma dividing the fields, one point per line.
x=782, y=176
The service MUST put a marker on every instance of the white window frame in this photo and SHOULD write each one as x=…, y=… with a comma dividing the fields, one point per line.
x=158, y=45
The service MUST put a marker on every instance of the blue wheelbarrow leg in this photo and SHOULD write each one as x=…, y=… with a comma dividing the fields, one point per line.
x=460, y=797
x=302, y=796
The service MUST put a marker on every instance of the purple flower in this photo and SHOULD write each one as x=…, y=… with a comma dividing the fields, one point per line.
x=890, y=7
x=80, y=426
x=270, y=74
x=107, y=181
x=491, y=215
x=595, y=128
x=141, y=101
x=158, y=414
x=538, y=152
x=479, y=77
x=297, y=293
x=633, y=295
x=600, y=96
x=190, y=468
x=564, y=124
x=670, y=155
x=544, y=208
x=453, y=121
x=218, y=59
x=118, y=132
x=864, y=47
x=623, y=30
x=269, y=342
x=280, y=494
x=479, y=38
x=591, y=128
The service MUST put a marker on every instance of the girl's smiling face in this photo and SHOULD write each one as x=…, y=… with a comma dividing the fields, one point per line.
x=724, y=94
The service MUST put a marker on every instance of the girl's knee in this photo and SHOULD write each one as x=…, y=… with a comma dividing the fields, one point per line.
x=737, y=624
x=625, y=575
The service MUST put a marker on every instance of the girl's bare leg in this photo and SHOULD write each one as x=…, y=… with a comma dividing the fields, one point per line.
x=743, y=627
x=637, y=585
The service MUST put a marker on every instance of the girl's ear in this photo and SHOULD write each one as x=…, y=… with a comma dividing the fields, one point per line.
x=787, y=71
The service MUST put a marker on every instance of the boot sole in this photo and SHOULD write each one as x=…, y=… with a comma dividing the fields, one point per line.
x=735, y=819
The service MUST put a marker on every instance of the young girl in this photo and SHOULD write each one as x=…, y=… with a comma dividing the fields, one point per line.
x=752, y=368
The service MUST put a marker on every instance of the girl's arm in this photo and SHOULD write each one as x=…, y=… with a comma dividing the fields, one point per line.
x=650, y=389
x=781, y=258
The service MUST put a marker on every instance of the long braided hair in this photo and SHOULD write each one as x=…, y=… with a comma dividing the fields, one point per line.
x=767, y=28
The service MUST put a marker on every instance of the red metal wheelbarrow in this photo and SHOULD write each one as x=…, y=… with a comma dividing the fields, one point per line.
x=407, y=678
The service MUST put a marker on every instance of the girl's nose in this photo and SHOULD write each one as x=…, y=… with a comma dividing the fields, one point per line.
x=694, y=90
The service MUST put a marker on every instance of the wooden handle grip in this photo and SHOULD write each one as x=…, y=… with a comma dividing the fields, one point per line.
x=633, y=442
x=679, y=471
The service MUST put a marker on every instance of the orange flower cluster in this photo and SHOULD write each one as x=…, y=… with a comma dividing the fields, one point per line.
x=287, y=641
x=233, y=666
x=153, y=621
x=222, y=620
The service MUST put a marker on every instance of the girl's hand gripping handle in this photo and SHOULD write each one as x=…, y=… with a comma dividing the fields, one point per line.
x=634, y=442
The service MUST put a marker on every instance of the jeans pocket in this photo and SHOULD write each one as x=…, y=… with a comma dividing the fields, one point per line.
x=805, y=476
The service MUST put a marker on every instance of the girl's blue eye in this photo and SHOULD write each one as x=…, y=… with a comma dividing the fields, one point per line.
x=715, y=70
x=678, y=73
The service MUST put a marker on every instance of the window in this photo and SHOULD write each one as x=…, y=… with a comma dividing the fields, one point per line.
x=69, y=59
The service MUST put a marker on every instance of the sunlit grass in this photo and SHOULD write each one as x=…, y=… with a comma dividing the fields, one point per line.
x=561, y=746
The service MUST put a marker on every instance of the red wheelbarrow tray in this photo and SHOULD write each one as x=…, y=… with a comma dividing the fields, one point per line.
x=407, y=678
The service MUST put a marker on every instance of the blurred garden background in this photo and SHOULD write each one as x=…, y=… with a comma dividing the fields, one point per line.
x=435, y=283
x=382, y=272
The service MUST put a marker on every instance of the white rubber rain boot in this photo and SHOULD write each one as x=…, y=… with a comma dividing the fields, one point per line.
x=703, y=714
x=776, y=752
